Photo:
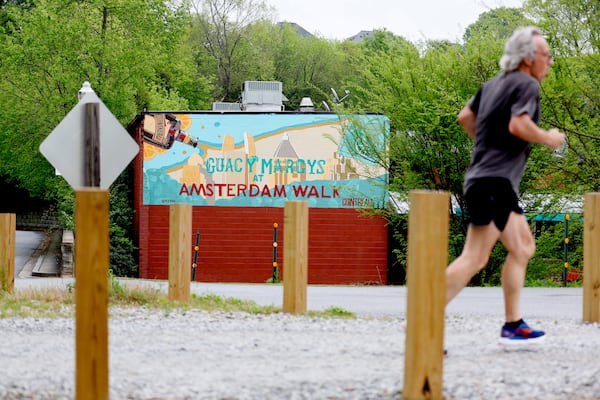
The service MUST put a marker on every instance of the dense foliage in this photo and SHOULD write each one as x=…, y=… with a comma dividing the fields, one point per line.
x=185, y=55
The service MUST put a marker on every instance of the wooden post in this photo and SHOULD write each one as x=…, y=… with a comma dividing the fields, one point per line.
x=180, y=255
x=428, y=221
x=591, y=258
x=295, y=256
x=8, y=223
x=91, y=293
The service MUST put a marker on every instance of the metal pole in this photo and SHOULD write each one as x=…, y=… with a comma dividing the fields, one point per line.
x=566, y=252
x=196, y=248
x=275, y=277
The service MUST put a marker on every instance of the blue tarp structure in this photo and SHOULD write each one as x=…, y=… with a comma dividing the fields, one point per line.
x=548, y=217
x=552, y=217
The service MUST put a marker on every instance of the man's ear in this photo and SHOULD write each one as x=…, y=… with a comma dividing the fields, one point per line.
x=528, y=61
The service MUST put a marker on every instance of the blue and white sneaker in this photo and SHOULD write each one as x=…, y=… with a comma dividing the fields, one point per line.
x=520, y=336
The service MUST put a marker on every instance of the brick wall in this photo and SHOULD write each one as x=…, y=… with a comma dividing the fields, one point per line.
x=236, y=244
x=37, y=220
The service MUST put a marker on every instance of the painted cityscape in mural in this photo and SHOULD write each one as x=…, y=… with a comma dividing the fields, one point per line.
x=263, y=159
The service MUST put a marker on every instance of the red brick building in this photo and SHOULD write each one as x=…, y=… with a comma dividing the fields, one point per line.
x=217, y=172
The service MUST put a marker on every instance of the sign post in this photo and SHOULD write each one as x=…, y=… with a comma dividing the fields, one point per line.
x=91, y=294
x=92, y=145
x=90, y=149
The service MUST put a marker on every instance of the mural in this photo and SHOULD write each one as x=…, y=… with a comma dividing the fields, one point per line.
x=264, y=159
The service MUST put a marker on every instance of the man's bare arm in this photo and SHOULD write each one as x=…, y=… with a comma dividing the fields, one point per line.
x=468, y=120
x=523, y=127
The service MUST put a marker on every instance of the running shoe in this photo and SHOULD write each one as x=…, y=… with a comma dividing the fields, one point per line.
x=522, y=335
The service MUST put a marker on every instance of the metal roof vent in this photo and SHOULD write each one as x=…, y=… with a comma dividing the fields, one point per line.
x=224, y=106
x=306, y=105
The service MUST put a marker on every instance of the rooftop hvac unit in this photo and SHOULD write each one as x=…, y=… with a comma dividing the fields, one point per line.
x=262, y=96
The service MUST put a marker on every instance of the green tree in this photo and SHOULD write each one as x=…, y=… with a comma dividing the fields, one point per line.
x=49, y=50
x=220, y=28
x=308, y=67
x=498, y=23
x=421, y=92
x=571, y=93
x=422, y=89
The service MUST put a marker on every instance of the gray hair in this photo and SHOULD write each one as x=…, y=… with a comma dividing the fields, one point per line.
x=518, y=47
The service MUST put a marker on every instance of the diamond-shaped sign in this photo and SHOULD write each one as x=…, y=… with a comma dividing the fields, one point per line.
x=64, y=147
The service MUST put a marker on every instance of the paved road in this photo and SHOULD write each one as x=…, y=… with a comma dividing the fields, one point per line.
x=26, y=243
x=374, y=301
x=362, y=300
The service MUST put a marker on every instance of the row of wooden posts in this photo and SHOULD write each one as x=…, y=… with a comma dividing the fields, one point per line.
x=427, y=259
x=295, y=254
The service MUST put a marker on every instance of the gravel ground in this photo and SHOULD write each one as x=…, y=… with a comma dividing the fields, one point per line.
x=216, y=355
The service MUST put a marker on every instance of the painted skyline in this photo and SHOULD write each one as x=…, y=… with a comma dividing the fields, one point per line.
x=250, y=159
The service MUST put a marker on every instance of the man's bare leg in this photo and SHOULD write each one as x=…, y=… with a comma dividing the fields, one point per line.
x=475, y=254
x=519, y=242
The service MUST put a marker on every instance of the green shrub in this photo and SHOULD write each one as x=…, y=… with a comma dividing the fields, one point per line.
x=544, y=270
x=547, y=265
x=122, y=249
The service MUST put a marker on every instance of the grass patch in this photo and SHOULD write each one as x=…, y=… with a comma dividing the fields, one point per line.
x=333, y=312
x=36, y=303
x=57, y=302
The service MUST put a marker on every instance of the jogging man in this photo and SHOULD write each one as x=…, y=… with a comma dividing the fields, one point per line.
x=502, y=118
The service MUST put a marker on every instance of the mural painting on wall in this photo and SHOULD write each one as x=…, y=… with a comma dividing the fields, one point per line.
x=264, y=159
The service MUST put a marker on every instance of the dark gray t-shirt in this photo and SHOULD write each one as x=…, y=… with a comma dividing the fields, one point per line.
x=497, y=152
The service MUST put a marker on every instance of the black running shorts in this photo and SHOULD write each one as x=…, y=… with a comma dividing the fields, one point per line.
x=491, y=199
